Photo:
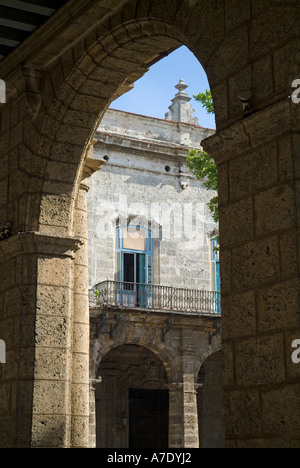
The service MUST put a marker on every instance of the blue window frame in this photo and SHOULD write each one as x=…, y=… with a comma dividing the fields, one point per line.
x=215, y=258
x=134, y=266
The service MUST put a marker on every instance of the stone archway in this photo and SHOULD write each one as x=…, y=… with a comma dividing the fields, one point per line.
x=46, y=128
x=180, y=354
x=132, y=400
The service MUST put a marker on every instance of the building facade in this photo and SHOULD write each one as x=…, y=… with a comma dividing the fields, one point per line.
x=145, y=182
x=154, y=283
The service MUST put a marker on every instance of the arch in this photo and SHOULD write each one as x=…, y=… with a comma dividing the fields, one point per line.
x=71, y=118
x=115, y=350
x=132, y=402
x=105, y=347
x=123, y=44
x=79, y=86
x=215, y=347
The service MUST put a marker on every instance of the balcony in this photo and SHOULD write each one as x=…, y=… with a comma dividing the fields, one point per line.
x=156, y=298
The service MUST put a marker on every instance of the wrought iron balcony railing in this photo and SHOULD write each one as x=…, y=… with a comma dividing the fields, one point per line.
x=165, y=298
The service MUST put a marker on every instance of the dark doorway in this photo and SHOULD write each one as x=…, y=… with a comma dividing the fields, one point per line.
x=129, y=268
x=148, y=418
x=134, y=268
x=134, y=276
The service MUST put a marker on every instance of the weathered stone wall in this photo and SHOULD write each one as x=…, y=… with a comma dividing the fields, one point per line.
x=261, y=285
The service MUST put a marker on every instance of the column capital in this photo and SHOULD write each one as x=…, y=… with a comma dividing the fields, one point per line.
x=37, y=243
x=178, y=386
x=174, y=387
x=94, y=382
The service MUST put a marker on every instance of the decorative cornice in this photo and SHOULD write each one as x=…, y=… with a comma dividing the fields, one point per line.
x=149, y=149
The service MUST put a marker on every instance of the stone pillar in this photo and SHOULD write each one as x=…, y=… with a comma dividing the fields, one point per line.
x=190, y=413
x=80, y=384
x=36, y=379
x=44, y=388
x=175, y=415
x=183, y=414
x=92, y=422
x=93, y=414
x=81, y=322
x=259, y=171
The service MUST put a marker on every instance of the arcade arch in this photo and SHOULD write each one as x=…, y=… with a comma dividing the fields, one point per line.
x=132, y=402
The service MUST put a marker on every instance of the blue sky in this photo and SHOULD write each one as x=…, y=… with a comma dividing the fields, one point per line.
x=152, y=94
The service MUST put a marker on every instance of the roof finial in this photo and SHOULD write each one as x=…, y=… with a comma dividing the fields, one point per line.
x=181, y=110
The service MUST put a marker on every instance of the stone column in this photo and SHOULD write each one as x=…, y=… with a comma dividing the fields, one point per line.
x=45, y=382
x=93, y=413
x=183, y=414
x=92, y=422
x=259, y=171
x=190, y=413
x=81, y=322
x=175, y=415
x=36, y=379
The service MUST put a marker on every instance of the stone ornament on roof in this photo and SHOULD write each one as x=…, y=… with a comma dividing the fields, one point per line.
x=181, y=110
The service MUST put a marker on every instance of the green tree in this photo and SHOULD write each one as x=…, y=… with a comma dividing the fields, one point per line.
x=201, y=164
x=204, y=168
x=206, y=100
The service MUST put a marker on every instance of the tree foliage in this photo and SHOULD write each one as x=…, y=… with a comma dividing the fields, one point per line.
x=204, y=168
x=201, y=164
x=206, y=100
